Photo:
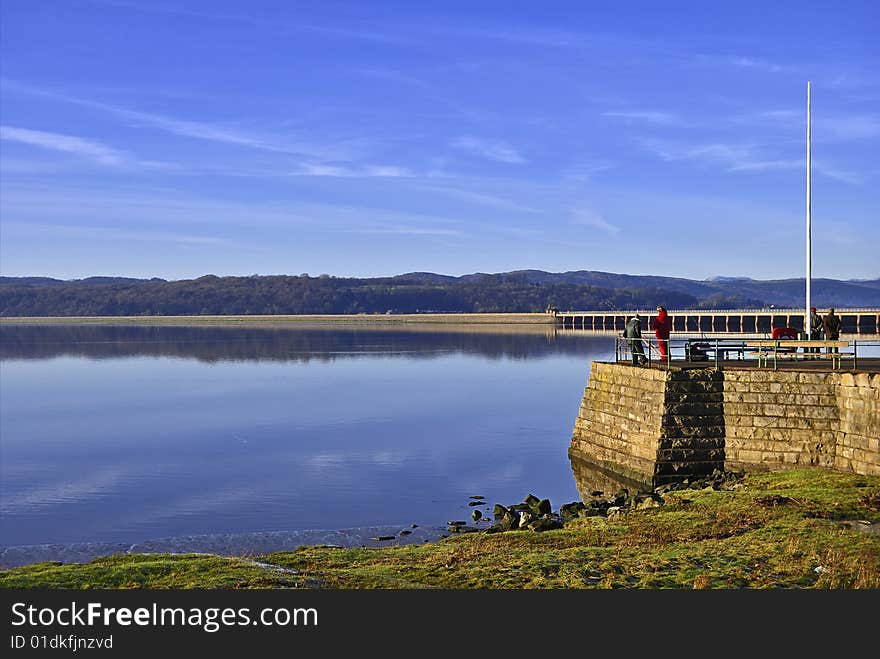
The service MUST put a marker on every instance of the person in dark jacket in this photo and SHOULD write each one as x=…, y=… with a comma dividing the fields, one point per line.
x=633, y=332
x=815, y=328
x=831, y=324
x=662, y=327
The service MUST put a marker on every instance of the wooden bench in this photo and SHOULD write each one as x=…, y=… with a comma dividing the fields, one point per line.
x=767, y=349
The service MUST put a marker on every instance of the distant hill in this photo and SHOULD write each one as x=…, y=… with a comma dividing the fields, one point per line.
x=414, y=292
x=780, y=292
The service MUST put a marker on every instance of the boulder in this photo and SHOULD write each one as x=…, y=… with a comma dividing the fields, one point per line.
x=571, y=509
x=543, y=524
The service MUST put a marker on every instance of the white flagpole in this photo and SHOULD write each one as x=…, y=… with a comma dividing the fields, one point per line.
x=807, y=324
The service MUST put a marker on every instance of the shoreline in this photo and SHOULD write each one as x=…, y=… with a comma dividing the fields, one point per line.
x=415, y=318
x=806, y=528
x=225, y=545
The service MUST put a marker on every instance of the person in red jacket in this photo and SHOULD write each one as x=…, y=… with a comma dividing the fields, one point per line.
x=662, y=327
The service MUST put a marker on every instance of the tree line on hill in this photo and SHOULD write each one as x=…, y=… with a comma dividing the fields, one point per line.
x=283, y=294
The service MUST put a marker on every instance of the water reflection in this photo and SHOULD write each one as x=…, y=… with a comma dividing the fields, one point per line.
x=124, y=434
x=592, y=480
x=279, y=343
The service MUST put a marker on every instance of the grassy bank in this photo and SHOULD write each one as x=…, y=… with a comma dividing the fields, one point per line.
x=794, y=529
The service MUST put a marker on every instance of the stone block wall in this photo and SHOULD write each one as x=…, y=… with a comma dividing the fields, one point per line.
x=693, y=427
x=780, y=418
x=858, y=436
x=654, y=425
x=618, y=424
x=651, y=425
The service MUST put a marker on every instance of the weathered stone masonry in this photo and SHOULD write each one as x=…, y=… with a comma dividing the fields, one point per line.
x=654, y=425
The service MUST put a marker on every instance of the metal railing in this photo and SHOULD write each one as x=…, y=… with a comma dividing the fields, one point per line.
x=717, y=351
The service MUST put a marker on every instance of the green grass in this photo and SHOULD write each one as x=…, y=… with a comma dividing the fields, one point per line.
x=773, y=533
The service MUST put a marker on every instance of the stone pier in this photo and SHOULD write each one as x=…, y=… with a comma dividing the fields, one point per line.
x=654, y=426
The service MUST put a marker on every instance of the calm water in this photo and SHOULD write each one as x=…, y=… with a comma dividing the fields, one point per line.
x=125, y=434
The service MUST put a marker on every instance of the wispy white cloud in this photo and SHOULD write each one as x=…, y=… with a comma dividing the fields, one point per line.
x=26, y=206
x=770, y=117
x=392, y=75
x=90, y=149
x=481, y=199
x=200, y=130
x=732, y=157
x=757, y=63
x=646, y=116
x=340, y=171
x=845, y=128
x=590, y=218
x=585, y=171
x=745, y=157
x=842, y=175
x=497, y=151
x=117, y=234
x=765, y=165
x=827, y=127
x=374, y=33
x=406, y=231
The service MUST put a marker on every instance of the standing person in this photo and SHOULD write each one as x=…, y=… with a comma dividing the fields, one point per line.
x=662, y=327
x=633, y=332
x=831, y=323
x=816, y=326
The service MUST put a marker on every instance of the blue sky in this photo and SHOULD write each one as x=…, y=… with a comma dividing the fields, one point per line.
x=376, y=138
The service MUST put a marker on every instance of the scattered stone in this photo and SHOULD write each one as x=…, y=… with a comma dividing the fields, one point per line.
x=590, y=512
x=405, y=532
x=543, y=507
x=537, y=514
x=545, y=524
x=510, y=521
x=414, y=526
x=571, y=509
x=719, y=479
x=477, y=496
x=382, y=538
